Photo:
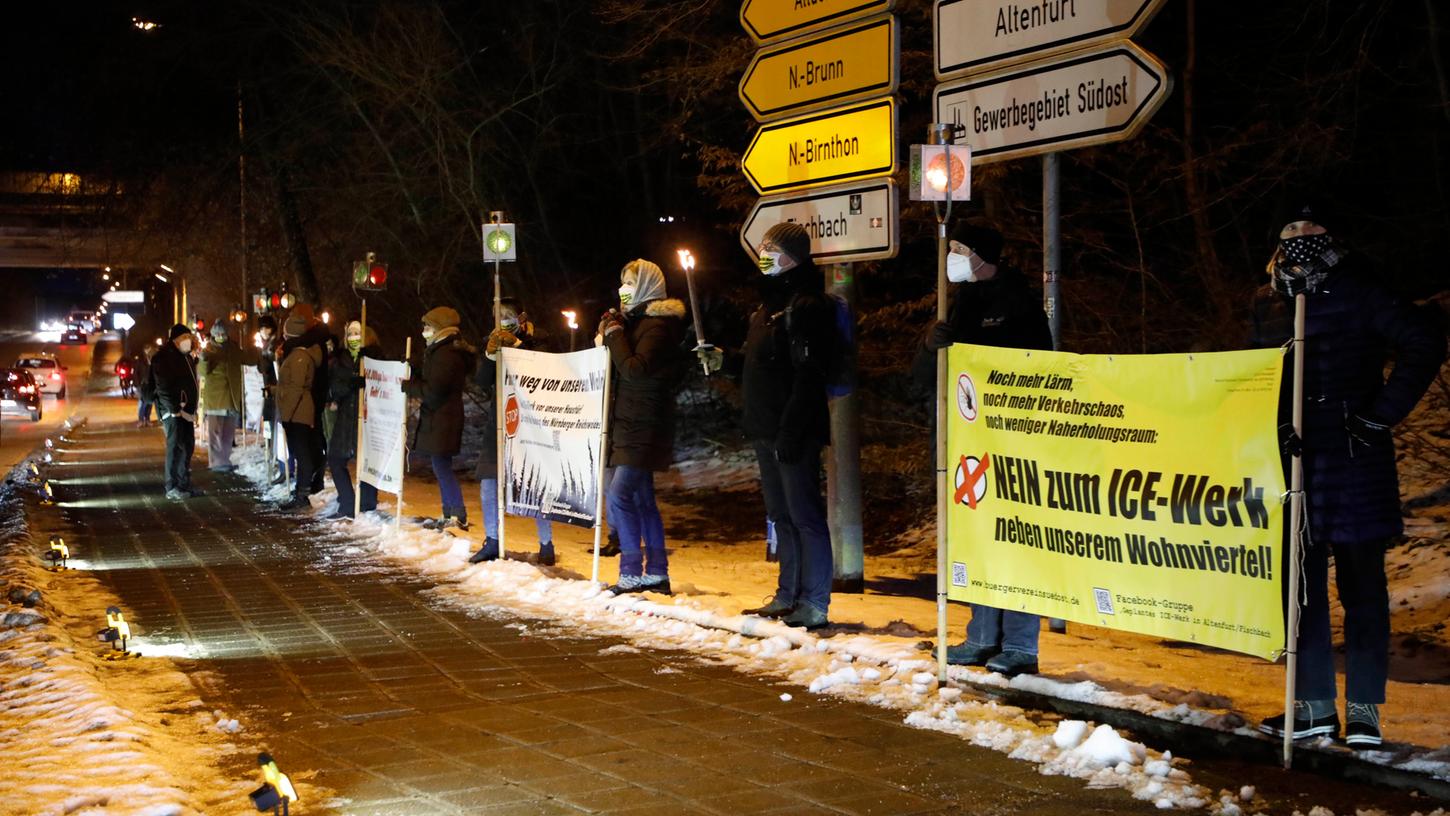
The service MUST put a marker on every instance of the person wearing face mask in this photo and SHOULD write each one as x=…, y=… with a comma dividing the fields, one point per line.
x=788, y=348
x=643, y=337
x=296, y=406
x=318, y=335
x=991, y=305
x=220, y=369
x=344, y=384
x=447, y=362
x=1353, y=326
x=514, y=331
x=173, y=380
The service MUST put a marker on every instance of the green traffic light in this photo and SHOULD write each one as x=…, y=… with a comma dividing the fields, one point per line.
x=499, y=242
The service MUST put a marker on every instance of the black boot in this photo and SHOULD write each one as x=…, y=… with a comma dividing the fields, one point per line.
x=488, y=552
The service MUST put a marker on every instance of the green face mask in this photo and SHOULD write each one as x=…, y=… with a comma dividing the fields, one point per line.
x=353, y=344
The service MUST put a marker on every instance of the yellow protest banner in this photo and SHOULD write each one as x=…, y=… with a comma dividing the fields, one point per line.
x=1135, y=492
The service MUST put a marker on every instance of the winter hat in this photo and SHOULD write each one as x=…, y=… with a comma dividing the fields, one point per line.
x=1309, y=208
x=649, y=281
x=295, y=326
x=219, y=329
x=177, y=331
x=267, y=322
x=984, y=241
x=442, y=317
x=792, y=239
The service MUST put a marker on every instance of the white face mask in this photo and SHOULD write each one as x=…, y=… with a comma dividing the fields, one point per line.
x=185, y=346
x=626, y=295
x=509, y=324
x=428, y=333
x=960, y=268
x=770, y=263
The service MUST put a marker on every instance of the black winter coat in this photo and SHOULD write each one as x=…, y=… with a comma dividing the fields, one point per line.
x=1002, y=312
x=648, y=365
x=343, y=386
x=1352, y=327
x=173, y=379
x=788, y=346
x=446, y=366
x=483, y=378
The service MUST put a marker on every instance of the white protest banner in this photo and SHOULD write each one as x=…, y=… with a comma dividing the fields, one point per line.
x=553, y=418
x=385, y=408
x=251, y=398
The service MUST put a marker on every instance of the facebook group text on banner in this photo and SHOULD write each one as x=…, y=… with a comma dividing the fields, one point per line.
x=1136, y=492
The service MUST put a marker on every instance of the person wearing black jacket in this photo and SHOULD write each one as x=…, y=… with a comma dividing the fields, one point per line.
x=514, y=331
x=1351, y=486
x=173, y=380
x=145, y=389
x=991, y=305
x=316, y=335
x=643, y=337
x=447, y=363
x=788, y=348
x=344, y=384
x=267, y=367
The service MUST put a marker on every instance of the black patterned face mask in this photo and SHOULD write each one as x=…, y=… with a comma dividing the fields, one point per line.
x=1303, y=264
x=1305, y=249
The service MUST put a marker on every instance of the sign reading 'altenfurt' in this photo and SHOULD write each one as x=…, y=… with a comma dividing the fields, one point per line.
x=1084, y=98
x=976, y=35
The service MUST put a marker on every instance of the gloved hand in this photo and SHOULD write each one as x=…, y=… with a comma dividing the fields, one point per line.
x=789, y=448
x=1367, y=432
x=609, y=323
x=500, y=338
x=1289, y=442
x=939, y=336
x=711, y=358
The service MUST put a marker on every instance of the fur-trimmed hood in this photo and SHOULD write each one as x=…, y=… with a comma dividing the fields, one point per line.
x=665, y=307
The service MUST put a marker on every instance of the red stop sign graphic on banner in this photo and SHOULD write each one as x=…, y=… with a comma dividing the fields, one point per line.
x=511, y=415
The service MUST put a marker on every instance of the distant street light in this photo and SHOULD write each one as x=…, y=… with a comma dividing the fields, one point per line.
x=144, y=25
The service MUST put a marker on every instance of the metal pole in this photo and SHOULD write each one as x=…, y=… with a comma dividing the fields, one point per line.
x=1296, y=518
x=1051, y=244
x=941, y=134
x=362, y=395
x=499, y=405
x=843, y=466
x=599, y=483
x=403, y=433
x=242, y=176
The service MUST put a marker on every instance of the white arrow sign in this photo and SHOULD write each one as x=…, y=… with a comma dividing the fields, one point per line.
x=1100, y=95
x=975, y=35
x=848, y=222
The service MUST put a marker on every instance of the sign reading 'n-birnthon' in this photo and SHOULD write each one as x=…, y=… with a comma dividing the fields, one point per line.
x=770, y=20
x=852, y=142
x=844, y=64
x=1084, y=98
x=975, y=35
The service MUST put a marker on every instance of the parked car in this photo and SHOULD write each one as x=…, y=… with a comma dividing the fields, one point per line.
x=19, y=393
x=49, y=374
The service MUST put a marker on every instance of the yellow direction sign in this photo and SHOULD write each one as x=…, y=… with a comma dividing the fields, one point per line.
x=857, y=61
x=853, y=142
x=768, y=20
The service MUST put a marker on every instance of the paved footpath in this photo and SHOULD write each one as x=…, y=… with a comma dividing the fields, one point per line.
x=407, y=708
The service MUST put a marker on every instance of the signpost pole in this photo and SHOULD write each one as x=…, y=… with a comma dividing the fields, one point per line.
x=944, y=134
x=362, y=396
x=843, y=468
x=1052, y=244
x=403, y=441
x=499, y=404
x=1296, y=521
x=599, y=477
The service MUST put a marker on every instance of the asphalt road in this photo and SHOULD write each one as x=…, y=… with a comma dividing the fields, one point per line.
x=89, y=388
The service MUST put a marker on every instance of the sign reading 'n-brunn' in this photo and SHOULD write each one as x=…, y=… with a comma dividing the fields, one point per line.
x=844, y=64
x=770, y=20
x=1089, y=97
x=848, y=222
x=851, y=142
x=976, y=35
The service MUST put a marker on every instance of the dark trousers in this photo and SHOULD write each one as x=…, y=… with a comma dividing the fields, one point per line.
x=180, y=445
x=318, y=442
x=1359, y=573
x=299, y=443
x=342, y=480
x=449, y=491
x=793, y=501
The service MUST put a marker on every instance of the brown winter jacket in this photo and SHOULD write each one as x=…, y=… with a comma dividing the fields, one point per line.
x=295, y=383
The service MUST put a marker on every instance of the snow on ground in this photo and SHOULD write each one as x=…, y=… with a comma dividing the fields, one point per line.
x=83, y=735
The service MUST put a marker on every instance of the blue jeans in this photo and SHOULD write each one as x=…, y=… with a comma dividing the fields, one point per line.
x=143, y=411
x=488, y=496
x=803, y=540
x=449, y=491
x=1359, y=574
x=633, y=512
x=1005, y=629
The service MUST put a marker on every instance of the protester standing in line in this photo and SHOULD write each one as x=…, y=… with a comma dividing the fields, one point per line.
x=220, y=370
x=267, y=367
x=317, y=334
x=1353, y=325
x=643, y=337
x=173, y=380
x=145, y=389
x=344, y=389
x=991, y=305
x=296, y=409
x=514, y=331
x=788, y=348
x=447, y=363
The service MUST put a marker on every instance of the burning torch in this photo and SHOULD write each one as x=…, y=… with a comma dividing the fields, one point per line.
x=687, y=263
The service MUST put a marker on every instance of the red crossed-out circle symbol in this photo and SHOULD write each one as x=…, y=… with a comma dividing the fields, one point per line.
x=971, y=480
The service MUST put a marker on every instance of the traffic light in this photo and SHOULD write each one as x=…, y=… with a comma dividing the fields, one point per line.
x=370, y=275
x=500, y=240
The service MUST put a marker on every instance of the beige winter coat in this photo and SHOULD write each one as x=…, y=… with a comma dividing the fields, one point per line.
x=294, y=385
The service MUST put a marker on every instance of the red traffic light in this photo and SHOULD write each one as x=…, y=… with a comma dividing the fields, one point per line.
x=378, y=276
x=276, y=301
